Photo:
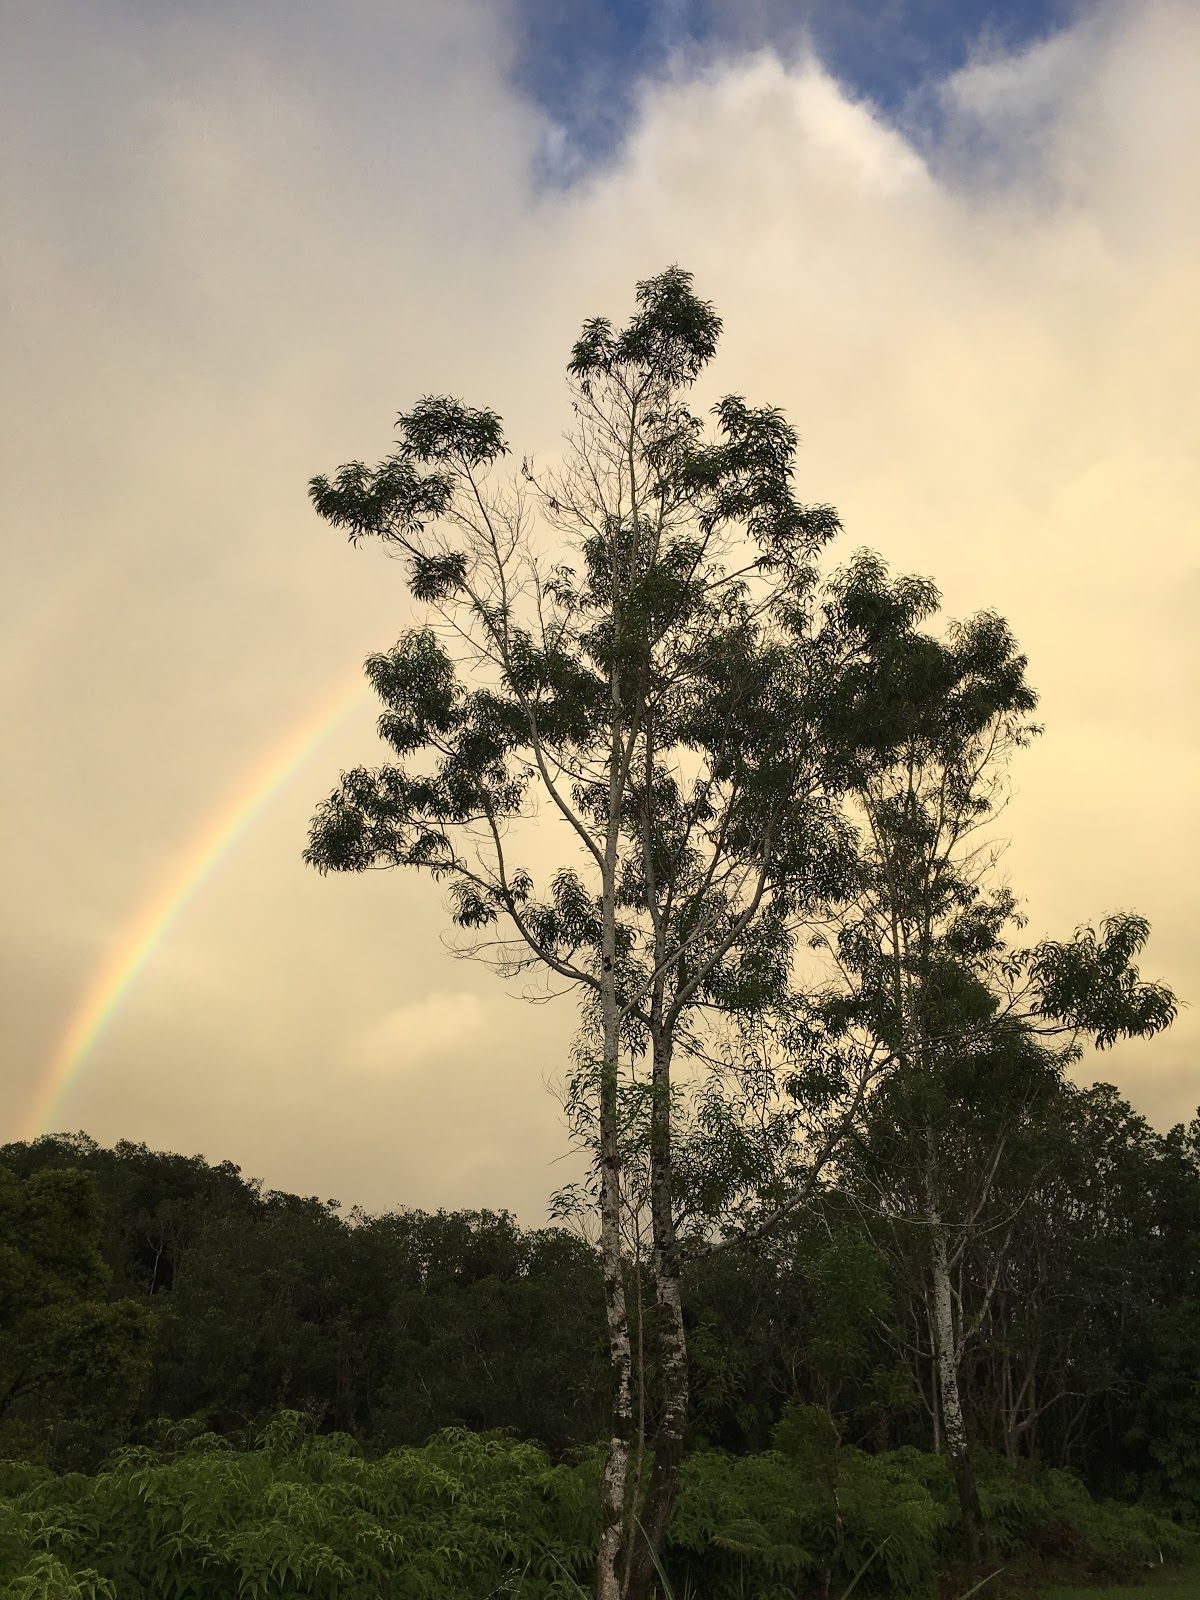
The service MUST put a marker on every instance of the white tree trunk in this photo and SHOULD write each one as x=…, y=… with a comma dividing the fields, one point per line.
x=669, y=1437
x=946, y=1356
x=613, y=1508
x=616, y=1465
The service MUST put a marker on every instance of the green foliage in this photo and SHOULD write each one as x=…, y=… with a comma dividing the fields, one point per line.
x=681, y=632
x=1168, y=1420
x=672, y=331
x=304, y=1515
x=394, y=1327
x=1092, y=982
x=1048, y=1511
x=65, y=1347
x=465, y=1516
x=1168, y=1583
x=848, y=1293
x=388, y=1327
x=459, y=1518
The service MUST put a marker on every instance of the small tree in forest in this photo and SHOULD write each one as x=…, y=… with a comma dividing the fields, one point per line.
x=68, y=1353
x=923, y=957
x=628, y=645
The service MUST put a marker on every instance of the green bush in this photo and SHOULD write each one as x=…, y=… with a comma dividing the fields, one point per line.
x=1045, y=1511
x=467, y=1516
x=766, y=1526
x=300, y=1515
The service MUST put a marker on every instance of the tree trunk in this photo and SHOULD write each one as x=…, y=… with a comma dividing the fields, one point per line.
x=672, y=1341
x=945, y=1355
x=613, y=1507
x=616, y=1465
x=935, y=1409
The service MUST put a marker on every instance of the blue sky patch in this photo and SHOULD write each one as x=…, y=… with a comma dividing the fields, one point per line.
x=580, y=61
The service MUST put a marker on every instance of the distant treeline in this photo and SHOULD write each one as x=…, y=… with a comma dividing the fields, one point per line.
x=139, y=1286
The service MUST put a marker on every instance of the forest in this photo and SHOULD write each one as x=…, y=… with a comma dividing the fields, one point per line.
x=168, y=1323
x=864, y=1285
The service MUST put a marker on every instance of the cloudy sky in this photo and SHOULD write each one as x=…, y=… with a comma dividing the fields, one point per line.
x=959, y=243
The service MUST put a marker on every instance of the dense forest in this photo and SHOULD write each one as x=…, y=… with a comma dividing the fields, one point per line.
x=859, y=1287
x=143, y=1286
x=160, y=1302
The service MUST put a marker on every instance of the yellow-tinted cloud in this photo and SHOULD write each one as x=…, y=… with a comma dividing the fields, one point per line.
x=430, y=1027
x=241, y=241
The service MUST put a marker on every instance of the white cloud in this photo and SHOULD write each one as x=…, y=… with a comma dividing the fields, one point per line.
x=241, y=242
x=420, y=1031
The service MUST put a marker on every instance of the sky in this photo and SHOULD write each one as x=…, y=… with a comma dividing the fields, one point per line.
x=959, y=244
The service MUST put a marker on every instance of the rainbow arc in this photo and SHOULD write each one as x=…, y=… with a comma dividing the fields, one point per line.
x=151, y=922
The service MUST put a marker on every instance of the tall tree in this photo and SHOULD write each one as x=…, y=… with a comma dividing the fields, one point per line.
x=628, y=642
x=924, y=959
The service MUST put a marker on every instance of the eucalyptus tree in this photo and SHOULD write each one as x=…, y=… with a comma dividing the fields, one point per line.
x=923, y=958
x=623, y=646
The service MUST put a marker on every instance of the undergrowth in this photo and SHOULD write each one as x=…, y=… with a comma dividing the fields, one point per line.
x=470, y=1516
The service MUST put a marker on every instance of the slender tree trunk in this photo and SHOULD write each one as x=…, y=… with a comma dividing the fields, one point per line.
x=613, y=1507
x=640, y=1375
x=945, y=1355
x=1008, y=1411
x=670, y=1434
x=616, y=1465
x=935, y=1409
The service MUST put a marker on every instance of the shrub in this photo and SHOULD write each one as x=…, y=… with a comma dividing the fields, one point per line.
x=1046, y=1511
x=766, y=1526
x=301, y=1515
x=467, y=1516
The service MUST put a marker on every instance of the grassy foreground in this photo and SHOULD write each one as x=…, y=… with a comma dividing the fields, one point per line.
x=1179, y=1583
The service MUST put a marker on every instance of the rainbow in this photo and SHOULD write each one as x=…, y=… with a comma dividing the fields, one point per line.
x=153, y=919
